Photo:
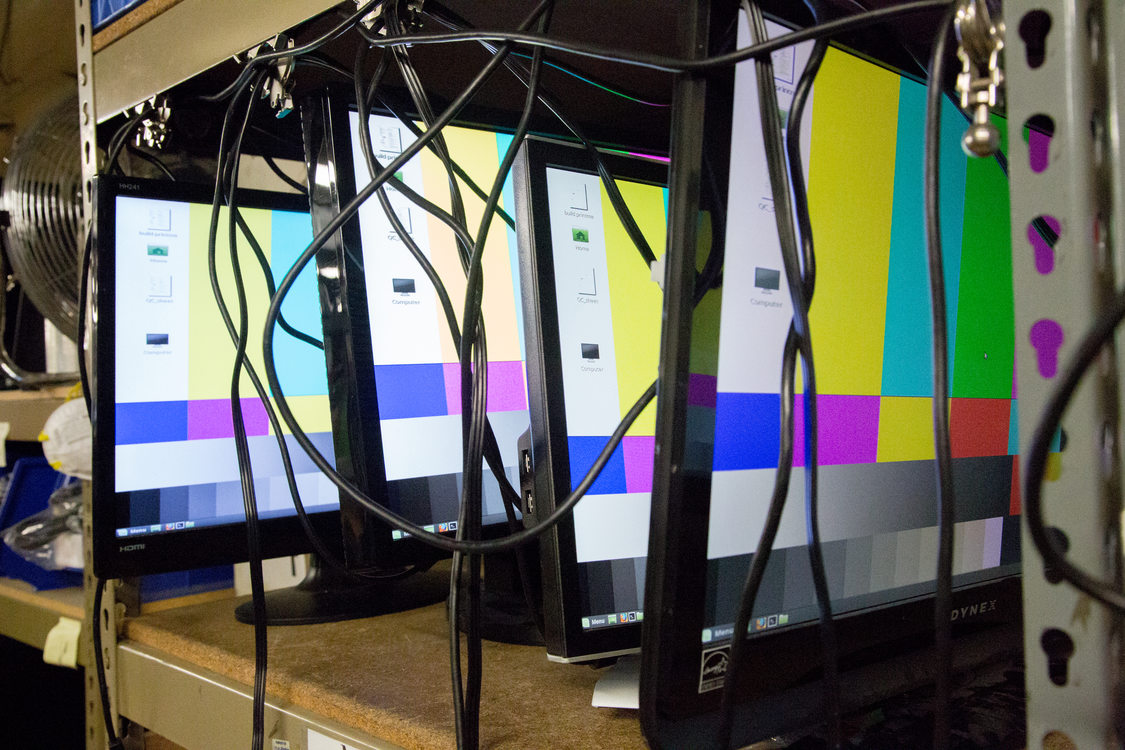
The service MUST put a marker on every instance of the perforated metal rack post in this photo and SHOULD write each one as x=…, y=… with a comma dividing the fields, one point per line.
x=1063, y=72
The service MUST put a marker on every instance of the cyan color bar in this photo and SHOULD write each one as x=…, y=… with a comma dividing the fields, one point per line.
x=503, y=140
x=300, y=366
x=907, y=353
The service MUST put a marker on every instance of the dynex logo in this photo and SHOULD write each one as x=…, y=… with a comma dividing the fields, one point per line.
x=972, y=610
x=132, y=547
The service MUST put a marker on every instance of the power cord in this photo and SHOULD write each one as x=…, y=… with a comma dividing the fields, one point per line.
x=1089, y=348
x=780, y=491
x=673, y=64
x=113, y=741
x=943, y=597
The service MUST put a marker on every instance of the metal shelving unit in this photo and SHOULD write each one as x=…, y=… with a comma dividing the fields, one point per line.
x=1072, y=643
x=27, y=615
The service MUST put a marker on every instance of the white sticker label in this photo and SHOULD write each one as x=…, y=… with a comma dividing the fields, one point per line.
x=280, y=745
x=61, y=645
x=318, y=741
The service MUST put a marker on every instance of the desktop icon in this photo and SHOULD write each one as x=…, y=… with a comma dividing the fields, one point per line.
x=580, y=235
x=767, y=278
x=590, y=351
x=403, y=286
x=158, y=251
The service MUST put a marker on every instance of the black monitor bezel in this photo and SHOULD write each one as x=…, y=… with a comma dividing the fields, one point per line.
x=784, y=679
x=565, y=638
x=169, y=550
x=353, y=395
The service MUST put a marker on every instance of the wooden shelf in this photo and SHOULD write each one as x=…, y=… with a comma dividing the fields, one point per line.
x=26, y=615
x=165, y=42
x=27, y=411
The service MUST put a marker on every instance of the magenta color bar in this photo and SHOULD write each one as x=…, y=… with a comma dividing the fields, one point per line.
x=701, y=390
x=211, y=418
x=638, y=450
x=849, y=430
x=506, y=388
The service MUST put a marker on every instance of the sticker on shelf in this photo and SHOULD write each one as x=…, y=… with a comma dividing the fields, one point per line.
x=318, y=741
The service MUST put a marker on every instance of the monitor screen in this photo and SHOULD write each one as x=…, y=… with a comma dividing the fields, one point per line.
x=872, y=347
x=595, y=318
x=870, y=325
x=398, y=391
x=416, y=369
x=164, y=439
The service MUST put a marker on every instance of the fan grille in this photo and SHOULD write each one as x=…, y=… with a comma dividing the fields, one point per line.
x=42, y=195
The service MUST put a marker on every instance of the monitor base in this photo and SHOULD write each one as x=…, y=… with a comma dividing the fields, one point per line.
x=326, y=595
x=504, y=613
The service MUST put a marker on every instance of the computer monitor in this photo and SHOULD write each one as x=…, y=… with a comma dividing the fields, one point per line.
x=718, y=421
x=395, y=384
x=592, y=313
x=166, y=489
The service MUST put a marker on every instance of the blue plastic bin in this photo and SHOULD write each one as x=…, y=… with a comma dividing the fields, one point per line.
x=33, y=481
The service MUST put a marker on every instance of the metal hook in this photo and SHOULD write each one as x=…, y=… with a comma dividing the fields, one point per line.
x=980, y=40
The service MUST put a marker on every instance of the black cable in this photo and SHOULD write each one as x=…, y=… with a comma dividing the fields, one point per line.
x=249, y=499
x=267, y=273
x=401, y=57
x=113, y=741
x=300, y=188
x=145, y=156
x=754, y=577
x=1054, y=557
x=421, y=201
x=473, y=331
x=455, y=20
x=590, y=79
x=325, y=64
x=788, y=367
x=464, y=176
x=322, y=551
x=783, y=215
x=386, y=516
x=118, y=140
x=617, y=201
x=253, y=63
x=672, y=64
x=349, y=210
x=943, y=596
x=227, y=170
x=509, y=495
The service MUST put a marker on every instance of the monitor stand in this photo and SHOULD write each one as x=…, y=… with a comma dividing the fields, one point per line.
x=504, y=613
x=327, y=595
